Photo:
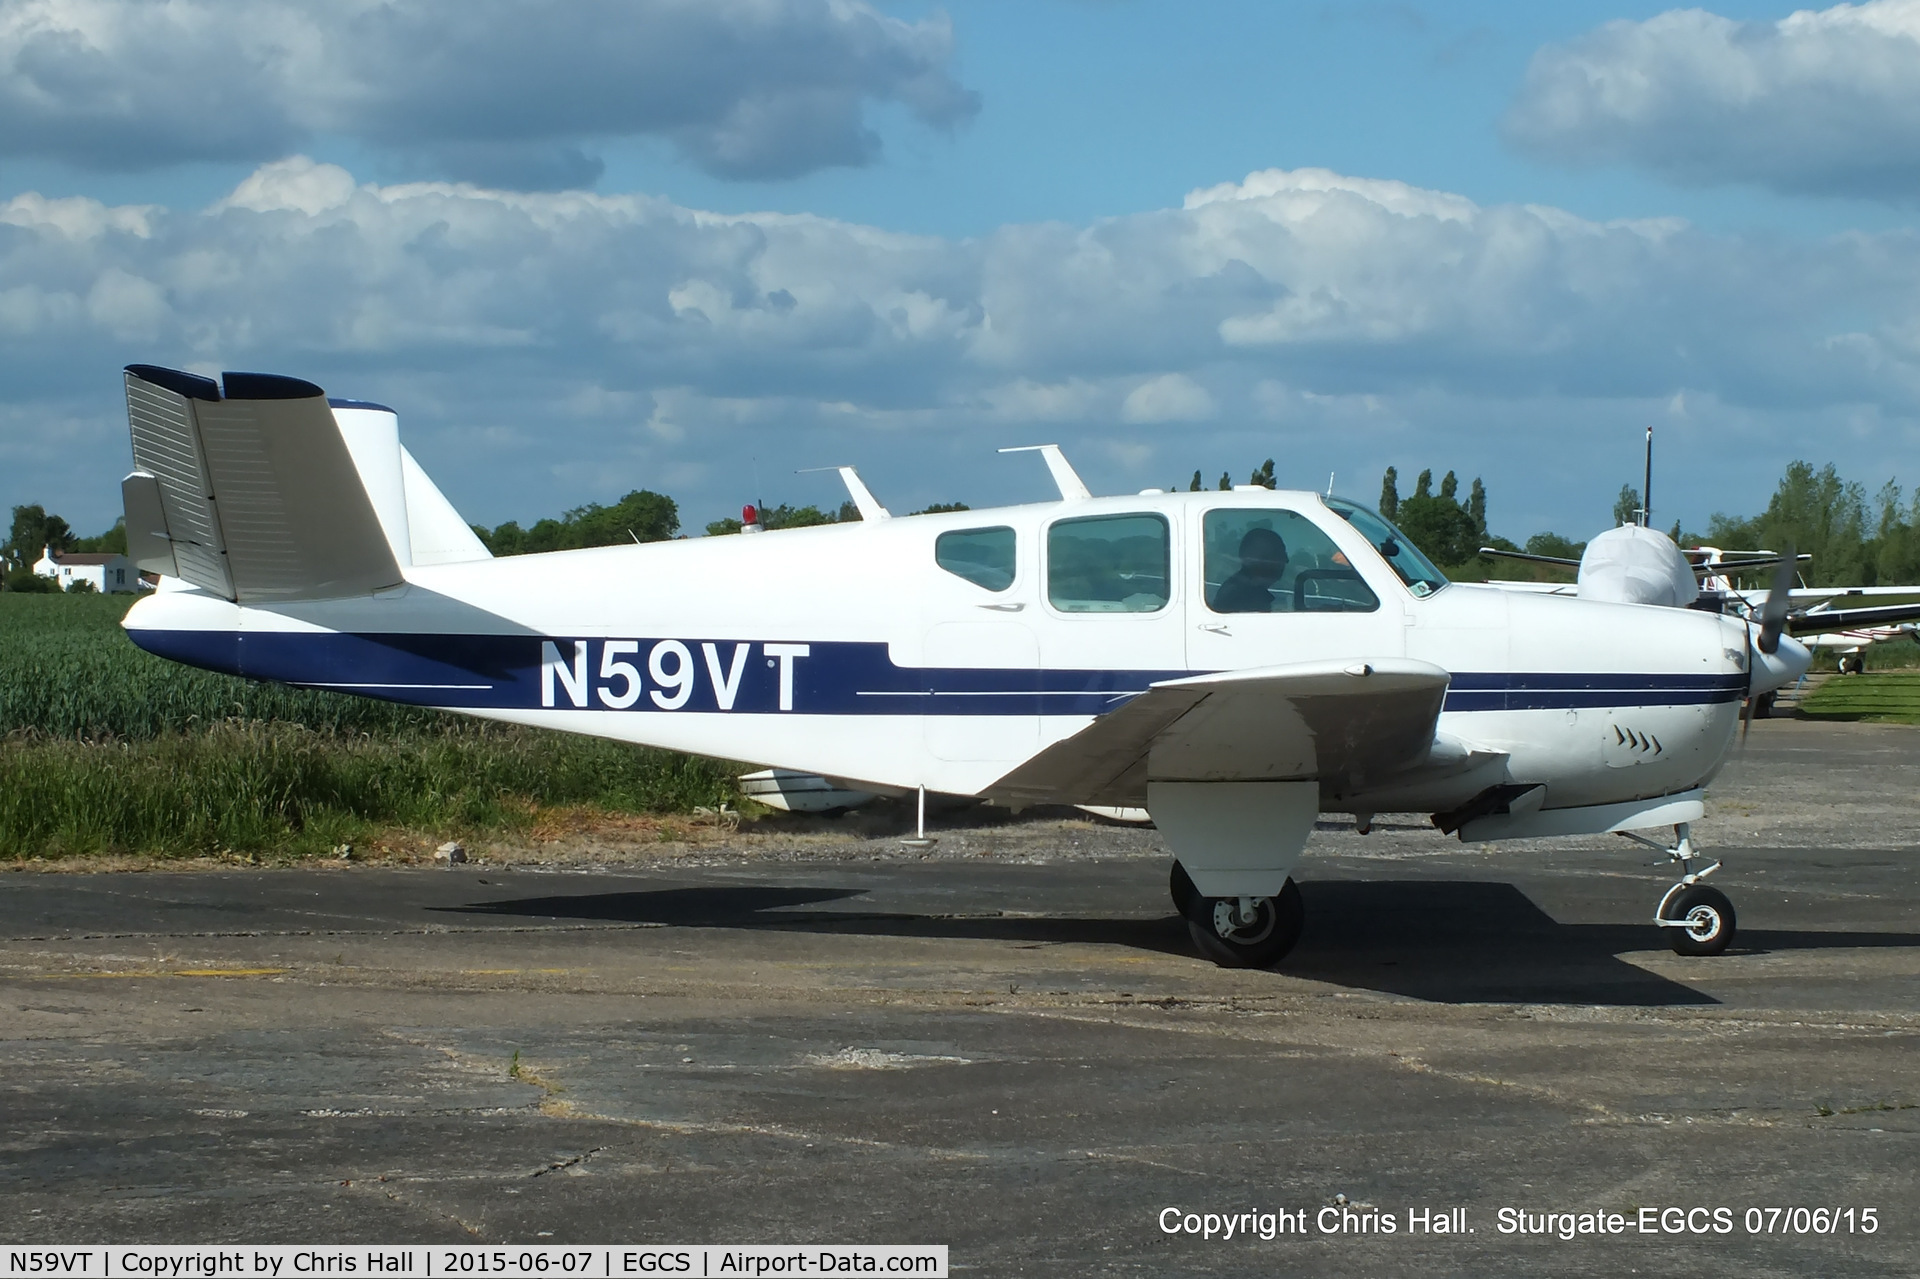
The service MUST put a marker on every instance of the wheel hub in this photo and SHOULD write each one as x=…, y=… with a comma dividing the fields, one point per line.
x=1244, y=920
x=1702, y=923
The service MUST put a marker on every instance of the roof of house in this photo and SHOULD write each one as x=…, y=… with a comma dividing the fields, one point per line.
x=85, y=558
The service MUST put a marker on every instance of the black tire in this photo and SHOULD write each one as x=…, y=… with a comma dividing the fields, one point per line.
x=1260, y=943
x=1763, y=706
x=1181, y=889
x=1710, y=921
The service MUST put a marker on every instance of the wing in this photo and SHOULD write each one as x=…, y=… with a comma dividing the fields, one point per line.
x=1846, y=619
x=1343, y=723
x=1494, y=552
x=1535, y=588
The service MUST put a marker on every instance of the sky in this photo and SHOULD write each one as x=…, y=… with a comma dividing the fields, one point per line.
x=699, y=245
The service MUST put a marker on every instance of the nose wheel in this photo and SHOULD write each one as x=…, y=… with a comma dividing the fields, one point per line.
x=1698, y=918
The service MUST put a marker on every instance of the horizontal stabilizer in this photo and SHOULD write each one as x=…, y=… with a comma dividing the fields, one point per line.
x=1347, y=724
x=252, y=491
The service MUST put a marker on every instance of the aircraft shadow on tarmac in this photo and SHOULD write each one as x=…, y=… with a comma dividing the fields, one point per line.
x=1444, y=941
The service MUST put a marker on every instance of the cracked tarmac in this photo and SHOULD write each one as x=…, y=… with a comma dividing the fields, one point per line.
x=1007, y=1047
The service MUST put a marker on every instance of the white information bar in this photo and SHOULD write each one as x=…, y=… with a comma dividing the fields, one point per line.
x=455, y=1261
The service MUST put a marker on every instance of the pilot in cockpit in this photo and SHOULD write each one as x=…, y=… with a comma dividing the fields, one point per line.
x=1263, y=558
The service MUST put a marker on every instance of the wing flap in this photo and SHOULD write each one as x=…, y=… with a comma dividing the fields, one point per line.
x=1343, y=723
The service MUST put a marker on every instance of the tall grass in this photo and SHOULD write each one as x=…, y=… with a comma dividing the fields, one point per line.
x=104, y=748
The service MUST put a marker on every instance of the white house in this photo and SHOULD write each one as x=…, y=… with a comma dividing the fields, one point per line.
x=110, y=574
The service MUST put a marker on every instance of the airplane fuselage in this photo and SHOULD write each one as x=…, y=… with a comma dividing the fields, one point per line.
x=943, y=650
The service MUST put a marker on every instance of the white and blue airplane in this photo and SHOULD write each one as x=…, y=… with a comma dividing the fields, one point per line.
x=1236, y=663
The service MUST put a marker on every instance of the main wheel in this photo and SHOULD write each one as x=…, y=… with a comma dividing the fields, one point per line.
x=1181, y=889
x=1709, y=921
x=1257, y=939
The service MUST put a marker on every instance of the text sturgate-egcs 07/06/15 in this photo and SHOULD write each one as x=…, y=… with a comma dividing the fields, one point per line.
x=1342, y=1218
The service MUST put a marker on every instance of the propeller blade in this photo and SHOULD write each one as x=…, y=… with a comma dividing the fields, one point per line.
x=1746, y=712
x=1746, y=721
x=1773, y=616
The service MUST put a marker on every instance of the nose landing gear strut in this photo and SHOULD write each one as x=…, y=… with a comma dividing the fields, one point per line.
x=1698, y=918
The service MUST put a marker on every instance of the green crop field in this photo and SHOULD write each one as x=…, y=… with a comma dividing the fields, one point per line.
x=68, y=670
x=107, y=749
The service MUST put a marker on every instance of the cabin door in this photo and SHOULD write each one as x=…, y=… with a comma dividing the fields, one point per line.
x=980, y=659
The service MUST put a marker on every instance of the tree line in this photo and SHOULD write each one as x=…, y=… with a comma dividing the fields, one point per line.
x=1854, y=540
x=646, y=516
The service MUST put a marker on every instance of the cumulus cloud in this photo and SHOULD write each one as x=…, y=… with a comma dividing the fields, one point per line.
x=1821, y=102
x=1171, y=397
x=537, y=338
x=501, y=92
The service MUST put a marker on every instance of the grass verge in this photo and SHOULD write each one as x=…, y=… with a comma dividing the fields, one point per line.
x=107, y=752
x=1884, y=696
x=284, y=789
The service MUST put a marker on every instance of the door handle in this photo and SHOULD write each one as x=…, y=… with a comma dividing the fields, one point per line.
x=1002, y=608
x=1215, y=627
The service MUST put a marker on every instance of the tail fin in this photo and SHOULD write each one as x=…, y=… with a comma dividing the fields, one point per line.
x=252, y=494
x=436, y=533
x=421, y=526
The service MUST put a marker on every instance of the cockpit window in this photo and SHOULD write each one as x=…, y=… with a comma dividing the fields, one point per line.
x=1415, y=569
x=1108, y=564
x=984, y=556
x=1263, y=560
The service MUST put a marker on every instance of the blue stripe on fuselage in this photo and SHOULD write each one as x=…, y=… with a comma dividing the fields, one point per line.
x=1529, y=691
x=504, y=672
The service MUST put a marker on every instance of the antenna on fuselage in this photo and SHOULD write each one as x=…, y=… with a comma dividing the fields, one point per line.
x=863, y=498
x=1072, y=487
x=1646, y=488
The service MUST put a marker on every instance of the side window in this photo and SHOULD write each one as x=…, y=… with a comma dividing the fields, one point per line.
x=984, y=556
x=1108, y=564
x=1261, y=560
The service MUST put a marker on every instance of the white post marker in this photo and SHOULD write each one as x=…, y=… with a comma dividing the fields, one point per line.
x=920, y=838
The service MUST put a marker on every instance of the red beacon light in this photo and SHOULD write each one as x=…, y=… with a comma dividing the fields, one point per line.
x=749, y=518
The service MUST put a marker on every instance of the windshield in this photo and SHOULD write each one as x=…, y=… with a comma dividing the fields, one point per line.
x=1415, y=569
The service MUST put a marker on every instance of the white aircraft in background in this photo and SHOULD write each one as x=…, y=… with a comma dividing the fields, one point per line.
x=1849, y=647
x=1234, y=662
